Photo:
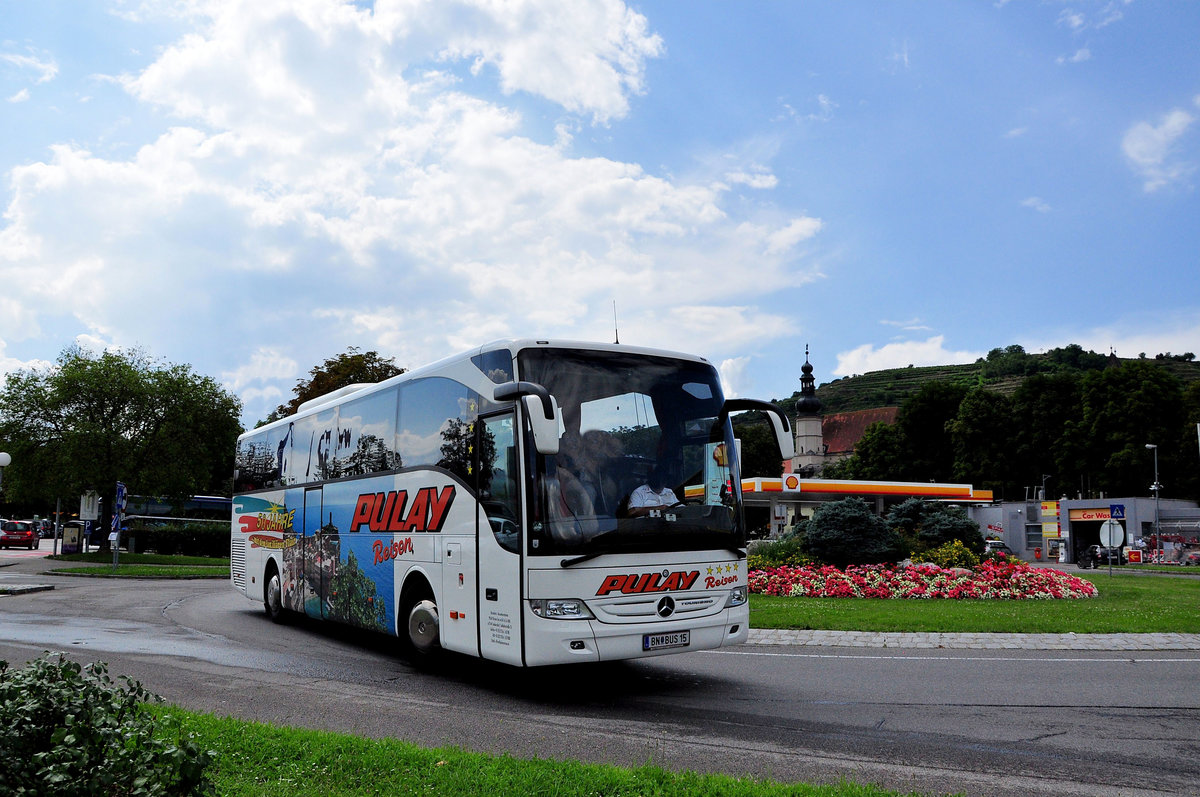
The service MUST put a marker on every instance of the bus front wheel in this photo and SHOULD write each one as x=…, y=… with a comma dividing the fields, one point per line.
x=423, y=627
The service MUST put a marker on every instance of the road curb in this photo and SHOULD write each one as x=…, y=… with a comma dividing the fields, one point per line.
x=964, y=641
x=22, y=589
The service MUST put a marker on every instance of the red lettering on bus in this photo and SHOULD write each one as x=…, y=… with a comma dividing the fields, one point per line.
x=363, y=509
x=634, y=583
x=398, y=548
x=382, y=512
x=439, y=505
x=417, y=514
x=397, y=500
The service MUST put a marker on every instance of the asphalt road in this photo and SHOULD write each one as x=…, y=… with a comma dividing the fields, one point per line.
x=933, y=721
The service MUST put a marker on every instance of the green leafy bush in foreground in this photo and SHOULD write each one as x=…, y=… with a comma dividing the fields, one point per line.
x=952, y=554
x=72, y=730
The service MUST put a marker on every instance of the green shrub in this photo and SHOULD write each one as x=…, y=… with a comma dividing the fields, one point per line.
x=847, y=532
x=192, y=539
x=926, y=525
x=952, y=554
x=70, y=730
x=787, y=551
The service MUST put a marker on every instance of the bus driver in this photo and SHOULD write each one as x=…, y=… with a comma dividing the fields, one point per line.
x=654, y=494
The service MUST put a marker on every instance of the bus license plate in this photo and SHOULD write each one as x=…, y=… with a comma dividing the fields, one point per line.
x=675, y=639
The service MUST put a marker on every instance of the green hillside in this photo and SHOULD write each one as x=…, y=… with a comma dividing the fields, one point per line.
x=1003, y=370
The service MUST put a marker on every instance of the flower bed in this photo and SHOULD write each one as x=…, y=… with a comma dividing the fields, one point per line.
x=997, y=580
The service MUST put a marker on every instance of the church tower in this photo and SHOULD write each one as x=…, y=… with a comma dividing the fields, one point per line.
x=810, y=447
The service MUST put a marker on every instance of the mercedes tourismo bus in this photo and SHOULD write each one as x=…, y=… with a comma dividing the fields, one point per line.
x=482, y=504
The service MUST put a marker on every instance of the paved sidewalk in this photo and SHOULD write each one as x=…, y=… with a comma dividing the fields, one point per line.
x=869, y=639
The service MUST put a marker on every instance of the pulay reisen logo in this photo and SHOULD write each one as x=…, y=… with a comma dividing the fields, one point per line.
x=391, y=511
x=638, y=583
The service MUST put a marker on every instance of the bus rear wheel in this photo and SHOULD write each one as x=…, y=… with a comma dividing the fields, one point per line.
x=273, y=596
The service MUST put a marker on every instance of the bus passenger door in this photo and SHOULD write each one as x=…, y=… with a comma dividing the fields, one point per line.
x=499, y=539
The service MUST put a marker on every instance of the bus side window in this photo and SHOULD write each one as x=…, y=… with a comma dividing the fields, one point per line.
x=367, y=435
x=254, y=462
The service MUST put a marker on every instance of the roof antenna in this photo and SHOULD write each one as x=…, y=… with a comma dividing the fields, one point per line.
x=616, y=332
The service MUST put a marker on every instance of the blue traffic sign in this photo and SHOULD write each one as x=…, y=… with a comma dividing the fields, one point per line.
x=1116, y=511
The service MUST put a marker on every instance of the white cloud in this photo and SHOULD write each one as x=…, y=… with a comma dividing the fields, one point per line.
x=10, y=364
x=265, y=364
x=797, y=230
x=42, y=66
x=1036, y=203
x=335, y=177
x=1131, y=335
x=21, y=96
x=1078, y=57
x=931, y=351
x=912, y=325
x=1072, y=19
x=1151, y=149
x=734, y=381
x=757, y=179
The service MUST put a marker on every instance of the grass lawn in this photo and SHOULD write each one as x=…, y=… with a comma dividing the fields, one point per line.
x=105, y=558
x=264, y=760
x=145, y=571
x=141, y=565
x=1125, y=605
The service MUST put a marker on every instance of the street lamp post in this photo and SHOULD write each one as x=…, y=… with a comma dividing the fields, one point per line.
x=1156, y=487
x=5, y=461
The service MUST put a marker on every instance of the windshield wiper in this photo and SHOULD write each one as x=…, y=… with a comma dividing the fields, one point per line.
x=574, y=560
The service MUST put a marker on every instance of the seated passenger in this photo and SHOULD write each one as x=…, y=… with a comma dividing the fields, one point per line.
x=587, y=457
x=654, y=494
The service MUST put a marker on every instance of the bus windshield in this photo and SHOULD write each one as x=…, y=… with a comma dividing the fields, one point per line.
x=645, y=458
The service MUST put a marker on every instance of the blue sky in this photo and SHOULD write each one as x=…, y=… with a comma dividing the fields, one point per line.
x=254, y=187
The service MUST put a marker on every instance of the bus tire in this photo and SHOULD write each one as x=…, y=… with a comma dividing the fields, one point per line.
x=273, y=595
x=418, y=631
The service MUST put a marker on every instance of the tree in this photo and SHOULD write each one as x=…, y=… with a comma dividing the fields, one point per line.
x=847, y=532
x=1124, y=408
x=881, y=453
x=760, y=449
x=349, y=368
x=923, y=422
x=92, y=420
x=1072, y=356
x=980, y=436
x=1043, y=408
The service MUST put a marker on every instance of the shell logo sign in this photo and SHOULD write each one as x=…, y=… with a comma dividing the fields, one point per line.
x=721, y=456
x=791, y=482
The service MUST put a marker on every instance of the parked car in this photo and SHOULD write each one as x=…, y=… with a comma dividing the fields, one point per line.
x=18, y=532
x=1192, y=557
x=43, y=527
x=998, y=546
x=1098, y=556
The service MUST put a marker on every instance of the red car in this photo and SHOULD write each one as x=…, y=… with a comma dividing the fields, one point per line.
x=18, y=532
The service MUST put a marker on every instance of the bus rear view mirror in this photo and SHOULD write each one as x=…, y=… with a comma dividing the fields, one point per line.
x=779, y=422
x=540, y=408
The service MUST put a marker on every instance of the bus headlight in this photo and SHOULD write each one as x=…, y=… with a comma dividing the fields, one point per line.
x=561, y=609
x=737, y=596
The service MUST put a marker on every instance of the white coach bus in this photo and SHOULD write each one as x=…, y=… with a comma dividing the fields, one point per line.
x=530, y=502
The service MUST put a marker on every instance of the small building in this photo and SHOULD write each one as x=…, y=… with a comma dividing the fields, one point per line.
x=1060, y=530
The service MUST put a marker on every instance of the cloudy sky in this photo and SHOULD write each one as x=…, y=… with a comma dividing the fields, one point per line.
x=252, y=187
